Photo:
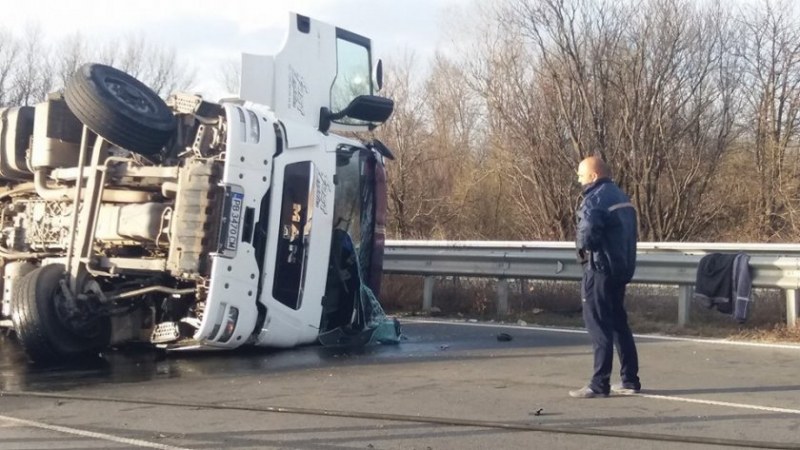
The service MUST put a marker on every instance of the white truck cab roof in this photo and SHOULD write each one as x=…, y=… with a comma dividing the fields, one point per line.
x=318, y=73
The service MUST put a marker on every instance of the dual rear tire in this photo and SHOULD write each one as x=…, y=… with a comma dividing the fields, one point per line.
x=38, y=317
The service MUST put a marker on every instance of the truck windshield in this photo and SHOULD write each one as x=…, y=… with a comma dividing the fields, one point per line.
x=351, y=310
x=351, y=241
x=349, y=210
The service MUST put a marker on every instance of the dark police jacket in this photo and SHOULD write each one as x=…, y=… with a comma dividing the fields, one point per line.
x=724, y=281
x=607, y=230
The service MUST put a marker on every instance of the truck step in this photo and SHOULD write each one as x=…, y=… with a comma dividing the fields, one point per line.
x=165, y=332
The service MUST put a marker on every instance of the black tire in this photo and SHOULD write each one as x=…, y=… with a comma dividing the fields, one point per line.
x=38, y=326
x=120, y=108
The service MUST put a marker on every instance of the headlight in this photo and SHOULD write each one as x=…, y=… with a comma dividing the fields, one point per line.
x=230, y=324
x=255, y=131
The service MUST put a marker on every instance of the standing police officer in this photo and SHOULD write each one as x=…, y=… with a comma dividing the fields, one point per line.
x=606, y=245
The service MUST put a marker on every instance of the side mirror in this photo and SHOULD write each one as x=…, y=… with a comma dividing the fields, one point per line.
x=368, y=108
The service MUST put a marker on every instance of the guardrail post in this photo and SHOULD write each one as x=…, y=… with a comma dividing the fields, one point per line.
x=792, y=308
x=427, y=294
x=685, y=292
x=502, y=297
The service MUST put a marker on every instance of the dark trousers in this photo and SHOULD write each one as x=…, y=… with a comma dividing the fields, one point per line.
x=607, y=322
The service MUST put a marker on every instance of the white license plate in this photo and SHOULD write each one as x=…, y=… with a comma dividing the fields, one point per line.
x=231, y=221
x=234, y=221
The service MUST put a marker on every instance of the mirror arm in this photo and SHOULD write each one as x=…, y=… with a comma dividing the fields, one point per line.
x=326, y=117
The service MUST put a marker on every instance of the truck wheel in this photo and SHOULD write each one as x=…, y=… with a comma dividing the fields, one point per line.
x=38, y=324
x=119, y=108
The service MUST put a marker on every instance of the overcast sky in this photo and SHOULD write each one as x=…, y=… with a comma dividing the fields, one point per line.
x=213, y=31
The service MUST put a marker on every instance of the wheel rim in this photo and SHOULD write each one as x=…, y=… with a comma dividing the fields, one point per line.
x=130, y=95
x=84, y=327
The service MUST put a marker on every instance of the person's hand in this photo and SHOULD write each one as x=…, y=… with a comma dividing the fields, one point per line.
x=582, y=257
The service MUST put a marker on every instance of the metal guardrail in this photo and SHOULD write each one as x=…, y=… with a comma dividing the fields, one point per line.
x=773, y=266
x=688, y=248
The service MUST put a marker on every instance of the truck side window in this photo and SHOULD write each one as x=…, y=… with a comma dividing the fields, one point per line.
x=294, y=232
x=352, y=76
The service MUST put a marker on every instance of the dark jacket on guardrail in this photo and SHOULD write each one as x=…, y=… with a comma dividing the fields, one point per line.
x=607, y=230
x=724, y=282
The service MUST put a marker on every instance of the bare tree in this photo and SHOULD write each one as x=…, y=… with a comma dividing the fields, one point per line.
x=229, y=75
x=71, y=53
x=635, y=85
x=9, y=55
x=158, y=67
x=457, y=179
x=677, y=116
x=165, y=73
x=107, y=52
x=534, y=172
x=34, y=78
x=411, y=204
x=770, y=52
x=30, y=68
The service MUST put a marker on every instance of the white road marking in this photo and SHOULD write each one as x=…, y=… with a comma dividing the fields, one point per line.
x=648, y=336
x=718, y=403
x=89, y=434
x=578, y=331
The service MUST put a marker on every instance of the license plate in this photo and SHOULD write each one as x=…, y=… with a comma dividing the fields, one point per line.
x=231, y=221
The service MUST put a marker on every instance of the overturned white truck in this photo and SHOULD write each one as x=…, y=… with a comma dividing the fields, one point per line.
x=198, y=225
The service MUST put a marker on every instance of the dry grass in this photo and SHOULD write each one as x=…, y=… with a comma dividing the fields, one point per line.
x=651, y=309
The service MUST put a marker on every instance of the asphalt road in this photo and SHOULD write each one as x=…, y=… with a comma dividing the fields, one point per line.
x=448, y=386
